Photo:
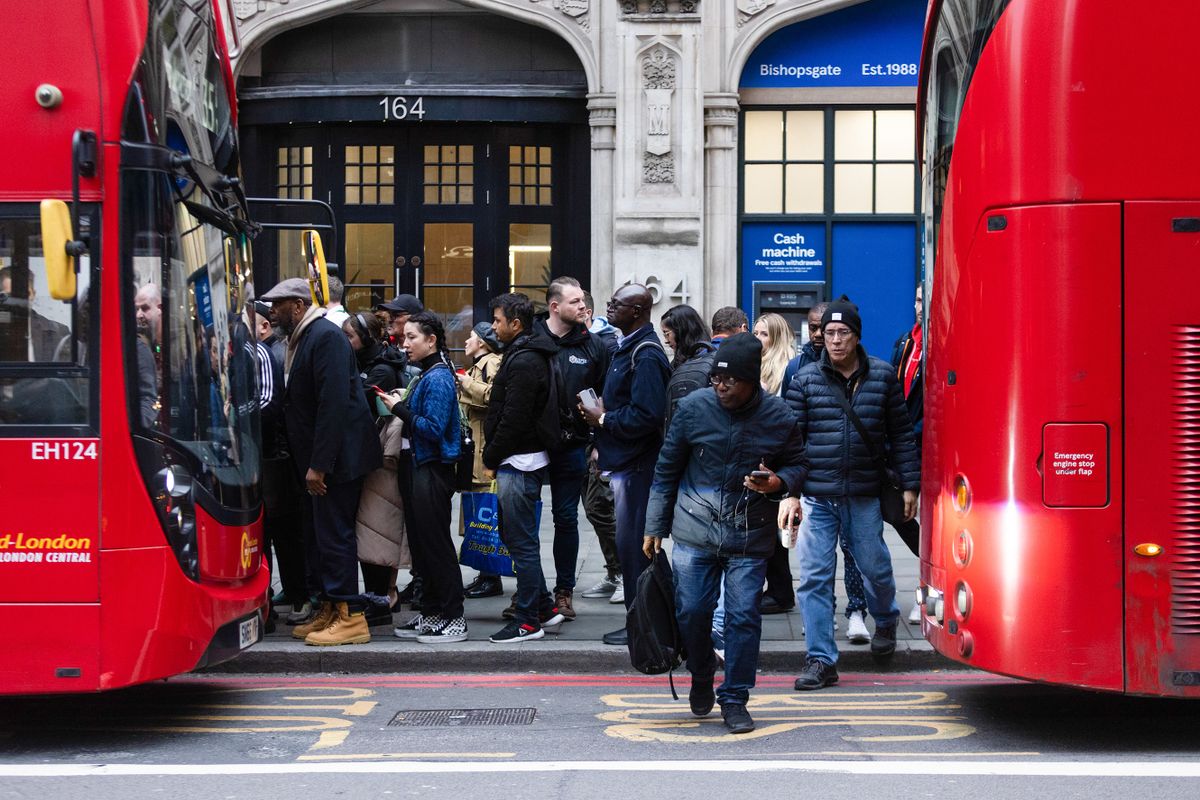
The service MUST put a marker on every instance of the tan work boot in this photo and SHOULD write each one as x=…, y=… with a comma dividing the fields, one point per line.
x=346, y=628
x=319, y=622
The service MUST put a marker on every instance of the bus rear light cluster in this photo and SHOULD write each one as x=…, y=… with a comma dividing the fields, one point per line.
x=963, y=548
x=962, y=600
x=961, y=494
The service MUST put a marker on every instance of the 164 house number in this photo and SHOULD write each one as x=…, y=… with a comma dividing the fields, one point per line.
x=399, y=108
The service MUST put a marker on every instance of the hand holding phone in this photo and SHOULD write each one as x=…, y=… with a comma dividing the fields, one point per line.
x=589, y=399
x=378, y=391
x=760, y=474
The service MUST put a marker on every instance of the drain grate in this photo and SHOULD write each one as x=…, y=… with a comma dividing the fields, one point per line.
x=462, y=717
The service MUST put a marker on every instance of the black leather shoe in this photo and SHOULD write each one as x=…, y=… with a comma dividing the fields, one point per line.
x=769, y=605
x=816, y=675
x=378, y=615
x=482, y=586
x=701, y=696
x=883, y=643
x=737, y=718
x=411, y=594
x=619, y=638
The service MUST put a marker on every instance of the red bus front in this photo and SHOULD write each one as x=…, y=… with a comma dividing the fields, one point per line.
x=1061, y=484
x=130, y=538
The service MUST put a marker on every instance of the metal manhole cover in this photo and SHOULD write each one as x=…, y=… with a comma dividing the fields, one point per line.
x=459, y=717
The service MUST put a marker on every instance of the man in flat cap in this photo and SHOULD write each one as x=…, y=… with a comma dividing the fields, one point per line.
x=334, y=445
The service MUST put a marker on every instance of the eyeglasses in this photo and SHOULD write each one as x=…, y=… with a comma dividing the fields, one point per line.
x=728, y=381
x=619, y=304
x=837, y=334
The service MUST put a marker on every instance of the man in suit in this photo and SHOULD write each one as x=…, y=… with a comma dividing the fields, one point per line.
x=334, y=445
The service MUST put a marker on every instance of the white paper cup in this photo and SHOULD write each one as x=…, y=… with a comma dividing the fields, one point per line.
x=787, y=537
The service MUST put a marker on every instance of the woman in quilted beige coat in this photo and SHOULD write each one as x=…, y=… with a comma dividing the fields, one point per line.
x=382, y=538
x=475, y=389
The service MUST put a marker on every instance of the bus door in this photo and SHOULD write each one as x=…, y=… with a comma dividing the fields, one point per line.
x=1162, y=429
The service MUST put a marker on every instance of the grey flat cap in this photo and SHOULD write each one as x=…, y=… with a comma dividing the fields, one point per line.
x=288, y=289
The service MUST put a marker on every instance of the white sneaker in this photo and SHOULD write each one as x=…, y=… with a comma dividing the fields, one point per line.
x=618, y=596
x=856, y=629
x=604, y=588
x=914, y=616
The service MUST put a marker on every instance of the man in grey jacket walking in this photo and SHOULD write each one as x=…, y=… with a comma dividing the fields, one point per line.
x=731, y=453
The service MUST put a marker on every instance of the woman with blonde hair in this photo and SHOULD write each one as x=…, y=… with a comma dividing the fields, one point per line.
x=779, y=348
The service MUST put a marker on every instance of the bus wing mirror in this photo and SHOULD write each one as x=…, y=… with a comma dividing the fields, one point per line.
x=60, y=249
x=315, y=269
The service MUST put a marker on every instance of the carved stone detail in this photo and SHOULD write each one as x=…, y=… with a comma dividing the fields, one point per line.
x=749, y=8
x=640, y=7
x=576, y=9
x=658, y=168
x=658, y=69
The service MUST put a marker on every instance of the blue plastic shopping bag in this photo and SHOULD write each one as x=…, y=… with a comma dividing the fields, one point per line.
x=482, y=547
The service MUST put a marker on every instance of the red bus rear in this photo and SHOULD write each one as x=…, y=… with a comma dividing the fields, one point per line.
x=1061, y=485
x=129, y=457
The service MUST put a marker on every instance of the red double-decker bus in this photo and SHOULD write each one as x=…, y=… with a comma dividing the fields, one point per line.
x=130, y=544
x=1061, y=519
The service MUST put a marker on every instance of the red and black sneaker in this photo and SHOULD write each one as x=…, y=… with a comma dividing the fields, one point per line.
x=517, y=632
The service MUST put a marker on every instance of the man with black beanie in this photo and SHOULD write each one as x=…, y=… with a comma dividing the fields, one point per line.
x=730, y=455
x=842, y=480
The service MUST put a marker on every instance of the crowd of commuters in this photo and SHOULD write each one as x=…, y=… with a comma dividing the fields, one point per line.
x=727, y=439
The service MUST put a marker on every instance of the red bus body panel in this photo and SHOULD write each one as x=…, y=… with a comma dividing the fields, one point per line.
x=1074, y=318
x=127, y=614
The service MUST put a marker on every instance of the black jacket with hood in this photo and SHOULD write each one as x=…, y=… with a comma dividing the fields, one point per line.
x=582, y=361
x=379, y=365
x=518, y=405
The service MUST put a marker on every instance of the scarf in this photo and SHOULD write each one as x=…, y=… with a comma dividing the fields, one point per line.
x=313, y=313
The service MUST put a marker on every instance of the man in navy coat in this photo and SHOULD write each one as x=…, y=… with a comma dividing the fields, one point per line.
x=334, y=445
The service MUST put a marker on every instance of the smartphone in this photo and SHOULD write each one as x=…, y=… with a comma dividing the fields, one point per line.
x=760, y=474
x=589, y=399
x=378, y=390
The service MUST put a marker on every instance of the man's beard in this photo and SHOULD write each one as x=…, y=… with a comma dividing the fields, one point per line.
x=286, y=326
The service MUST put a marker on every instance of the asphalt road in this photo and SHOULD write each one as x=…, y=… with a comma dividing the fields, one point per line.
x=581, y=736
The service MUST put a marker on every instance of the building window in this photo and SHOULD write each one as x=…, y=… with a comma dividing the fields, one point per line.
x=294, y=173
x=873, y=169
x=530, y=176
x=370, y=175
x=788, y=157
x=449, y=177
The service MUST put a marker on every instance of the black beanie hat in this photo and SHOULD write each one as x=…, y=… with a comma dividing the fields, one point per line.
x=845, y=312
x=740, y=356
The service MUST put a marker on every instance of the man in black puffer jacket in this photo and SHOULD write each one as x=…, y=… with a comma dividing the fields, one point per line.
x=842, y=484
x=731, y=453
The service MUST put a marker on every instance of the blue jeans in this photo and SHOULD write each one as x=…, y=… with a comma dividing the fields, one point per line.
x=631, y=493
x=519, y=493
x=858, y=522
x=698, y=578
x=567, y=471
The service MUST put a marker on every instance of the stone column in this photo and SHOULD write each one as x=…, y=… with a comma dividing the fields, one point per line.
x=720, y=202
x=602, y=117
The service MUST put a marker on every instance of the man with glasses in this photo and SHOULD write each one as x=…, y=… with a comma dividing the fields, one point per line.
x=845, y=390
x=730, y=455
x=629, y=427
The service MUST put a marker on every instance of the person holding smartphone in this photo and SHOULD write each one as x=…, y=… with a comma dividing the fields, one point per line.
x=731, y=454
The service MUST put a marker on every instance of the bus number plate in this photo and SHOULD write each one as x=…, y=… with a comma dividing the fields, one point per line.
x=248, y=632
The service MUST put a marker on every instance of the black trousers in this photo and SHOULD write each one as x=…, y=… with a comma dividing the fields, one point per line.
x=331, y=543
x=376, y=578
x=284, y=533
x=779, y=577
x=427, y=490
x=598, y=506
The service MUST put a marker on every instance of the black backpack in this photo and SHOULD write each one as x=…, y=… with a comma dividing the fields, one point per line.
x=655, y=645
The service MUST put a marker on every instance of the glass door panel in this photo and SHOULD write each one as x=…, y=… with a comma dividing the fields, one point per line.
x=529, y=261
x=370, y=275
x=448, y=282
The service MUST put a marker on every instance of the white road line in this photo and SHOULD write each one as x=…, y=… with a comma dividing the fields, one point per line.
x=1082, y=769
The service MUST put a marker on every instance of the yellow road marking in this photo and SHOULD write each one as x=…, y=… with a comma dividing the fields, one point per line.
x=329, y=739
x=305, y=724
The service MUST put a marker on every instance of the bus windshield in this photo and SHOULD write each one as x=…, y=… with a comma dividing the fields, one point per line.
x=193, y=370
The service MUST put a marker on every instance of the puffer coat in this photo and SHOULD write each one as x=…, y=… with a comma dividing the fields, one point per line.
x=837, y=463
x=475, y=392
x=379, y=524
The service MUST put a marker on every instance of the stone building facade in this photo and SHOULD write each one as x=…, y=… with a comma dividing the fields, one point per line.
x=600, y=138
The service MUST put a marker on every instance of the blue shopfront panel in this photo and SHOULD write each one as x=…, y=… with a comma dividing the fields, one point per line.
x=780, y=252
x=875, y=264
